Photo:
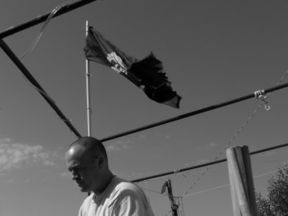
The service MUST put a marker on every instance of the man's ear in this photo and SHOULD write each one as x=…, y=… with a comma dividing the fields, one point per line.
x=100, y=161
x=94, y=160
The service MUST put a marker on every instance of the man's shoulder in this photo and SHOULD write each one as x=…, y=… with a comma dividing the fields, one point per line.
x=130, y=194
x=124, y=188
x=125, y=185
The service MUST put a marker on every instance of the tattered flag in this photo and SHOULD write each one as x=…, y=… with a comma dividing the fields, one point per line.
x=146, y=73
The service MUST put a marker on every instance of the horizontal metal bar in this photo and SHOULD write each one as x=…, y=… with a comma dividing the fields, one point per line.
x=64, y=9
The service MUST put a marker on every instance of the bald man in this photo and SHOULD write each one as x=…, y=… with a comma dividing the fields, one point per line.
x=110, y=195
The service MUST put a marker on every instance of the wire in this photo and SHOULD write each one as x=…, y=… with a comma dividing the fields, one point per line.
x=260, y=94
x=180, y=198
x=207, y=164
x=227, y=185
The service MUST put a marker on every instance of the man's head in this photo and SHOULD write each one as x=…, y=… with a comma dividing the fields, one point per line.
x=87, y=160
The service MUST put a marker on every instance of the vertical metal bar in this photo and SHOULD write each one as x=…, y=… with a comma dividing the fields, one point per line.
x=88, y=89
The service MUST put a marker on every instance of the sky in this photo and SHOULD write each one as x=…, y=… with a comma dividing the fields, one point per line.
x=212, y=52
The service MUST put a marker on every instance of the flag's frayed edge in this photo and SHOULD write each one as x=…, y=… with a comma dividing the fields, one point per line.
x=154, y=81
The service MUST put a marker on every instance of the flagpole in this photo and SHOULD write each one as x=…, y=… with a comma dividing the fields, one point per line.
x=88, y=108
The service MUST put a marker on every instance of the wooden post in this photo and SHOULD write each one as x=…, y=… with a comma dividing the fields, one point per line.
x=241, y=181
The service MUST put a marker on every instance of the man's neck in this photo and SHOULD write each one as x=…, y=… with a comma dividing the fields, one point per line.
x=105, y=184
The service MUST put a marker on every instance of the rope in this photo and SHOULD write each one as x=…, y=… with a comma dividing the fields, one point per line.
x=223, y=159
x=65, y=9
x=36, y=41
x=229, y=144
x=258, y=94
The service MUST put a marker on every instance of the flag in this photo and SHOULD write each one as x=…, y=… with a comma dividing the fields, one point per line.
x=147, y=73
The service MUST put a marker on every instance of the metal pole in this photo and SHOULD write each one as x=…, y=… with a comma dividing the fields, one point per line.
x=88, y=89
x=285, y=145
x=196, y=112
x=32, y=80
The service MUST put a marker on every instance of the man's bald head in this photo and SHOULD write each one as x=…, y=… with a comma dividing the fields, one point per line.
x=87, y=160
x=85, y=148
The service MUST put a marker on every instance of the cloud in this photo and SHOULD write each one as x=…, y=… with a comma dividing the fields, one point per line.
x=119, y=145
x=17, y=155
x=66, y=174
x=212, y=144
x=201, y=161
